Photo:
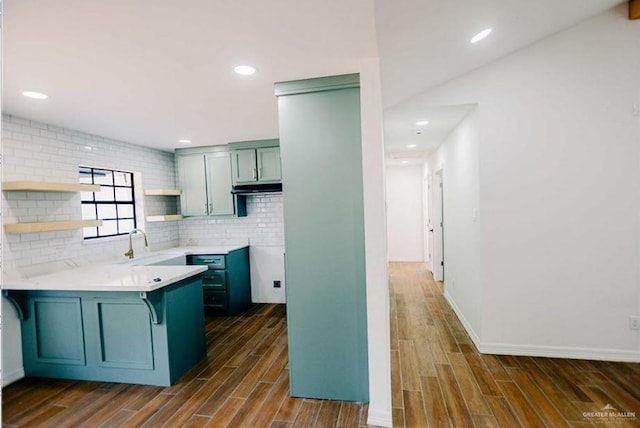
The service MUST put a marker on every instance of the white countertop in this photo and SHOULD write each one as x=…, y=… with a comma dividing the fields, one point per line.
x=129, y=275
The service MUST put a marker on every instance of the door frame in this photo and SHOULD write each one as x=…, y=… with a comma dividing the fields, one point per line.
x=438, y=226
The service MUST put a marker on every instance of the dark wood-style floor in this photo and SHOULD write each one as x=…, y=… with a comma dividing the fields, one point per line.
x=438, y=380
x=244, y=382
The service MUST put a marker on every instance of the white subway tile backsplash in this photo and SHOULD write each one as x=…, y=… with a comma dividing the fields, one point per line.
x=37, y=151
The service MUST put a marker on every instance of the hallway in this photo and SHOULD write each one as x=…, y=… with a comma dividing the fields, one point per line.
x=439, y=379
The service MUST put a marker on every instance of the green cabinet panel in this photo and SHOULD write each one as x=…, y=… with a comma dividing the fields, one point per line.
x=227, y=284
x=193, y=182
x=125, y=334
x=219, y=184
x=256, y=165
x=54, y=314
x=205, y=183
x=243, y=166
x=320, y=143
x=109, y=335
x=269, y=168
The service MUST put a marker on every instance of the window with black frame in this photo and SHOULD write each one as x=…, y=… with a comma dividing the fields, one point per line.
x=114, y=204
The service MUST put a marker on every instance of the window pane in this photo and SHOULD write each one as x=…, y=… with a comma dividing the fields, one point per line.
x=105, y=194
x=90, y=232
x=123, y=178
x=107, y=211
x=109, y=227
x=87, y=196
x=125, y=226
x=102, y=176
x=88, y=212
x=118, y=218
x=85, y=175
x=125, y=210
x=124, y=194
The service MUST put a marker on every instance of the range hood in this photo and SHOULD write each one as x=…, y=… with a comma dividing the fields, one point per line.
x=252, y=189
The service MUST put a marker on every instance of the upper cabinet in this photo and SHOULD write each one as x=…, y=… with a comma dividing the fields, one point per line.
x=205, y=182
x=254, y=162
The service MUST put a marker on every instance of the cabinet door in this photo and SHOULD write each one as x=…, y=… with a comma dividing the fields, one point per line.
x=192, y=179
x=219, y=184
x=269, y=164
x=243, y=166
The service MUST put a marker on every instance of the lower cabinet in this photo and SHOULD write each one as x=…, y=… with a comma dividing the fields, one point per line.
x=226, y=286
x=131, y=337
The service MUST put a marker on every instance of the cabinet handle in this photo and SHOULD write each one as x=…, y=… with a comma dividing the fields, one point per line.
x=210, y=208
x=205, y=208
x=255, y=177
x=259, y=172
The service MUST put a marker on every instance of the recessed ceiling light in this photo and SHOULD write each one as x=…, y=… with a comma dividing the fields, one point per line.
x=422, y=122
x=184, y=141
x=245, y=70
x=405, y=161
x=481, y=35
x=35, y=95
x=412, y=146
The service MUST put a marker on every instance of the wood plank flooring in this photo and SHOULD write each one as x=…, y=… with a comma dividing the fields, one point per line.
x=438, y=380
x=244, y=382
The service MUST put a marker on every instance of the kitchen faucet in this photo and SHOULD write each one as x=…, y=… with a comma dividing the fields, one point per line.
x=146, y=243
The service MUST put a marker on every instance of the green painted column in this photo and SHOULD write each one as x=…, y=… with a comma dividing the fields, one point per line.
x=320, y=147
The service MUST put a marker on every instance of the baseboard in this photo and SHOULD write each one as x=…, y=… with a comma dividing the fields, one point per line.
x=543, y=351
x=561, y=352
x=379, y=418
x=12, y=376
x=467, y=326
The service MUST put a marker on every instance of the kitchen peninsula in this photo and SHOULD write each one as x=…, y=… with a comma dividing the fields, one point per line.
x=116, y=322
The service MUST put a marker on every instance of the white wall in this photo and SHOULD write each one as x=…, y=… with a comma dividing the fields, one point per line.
x=405, y=221
x=458, y=159
x=560, y=191
x=37, y=151
x=373, y=173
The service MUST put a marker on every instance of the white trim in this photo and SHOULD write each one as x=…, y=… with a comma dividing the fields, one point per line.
x=543, y=351
x=379, y=418
x=467, y=326
x=9, y=378
x=561, y=352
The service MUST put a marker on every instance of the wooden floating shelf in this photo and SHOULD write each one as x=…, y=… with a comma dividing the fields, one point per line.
x=634, y=9
x=162, y=192
x=43, y=186
x=157, y=218
x=49, y=226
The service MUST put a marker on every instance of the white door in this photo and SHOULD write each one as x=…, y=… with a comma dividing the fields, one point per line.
x=438, y=227
x=428, y=226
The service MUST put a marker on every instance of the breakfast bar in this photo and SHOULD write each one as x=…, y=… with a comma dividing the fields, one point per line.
x=112, y=322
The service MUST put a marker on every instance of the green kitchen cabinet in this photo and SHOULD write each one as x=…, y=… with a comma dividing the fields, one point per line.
x=255, y=165
x=320, y=144
x=113, y=336
x=205, y=182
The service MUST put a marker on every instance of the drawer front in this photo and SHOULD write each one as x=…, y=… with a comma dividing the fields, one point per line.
x=215, y=279
x=214, y=262
x=215, y=299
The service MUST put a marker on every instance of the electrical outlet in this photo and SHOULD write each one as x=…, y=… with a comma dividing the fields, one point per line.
x=634, y=323
x=276, y=284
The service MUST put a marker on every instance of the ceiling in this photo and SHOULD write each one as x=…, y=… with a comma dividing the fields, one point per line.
x=152, y=72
